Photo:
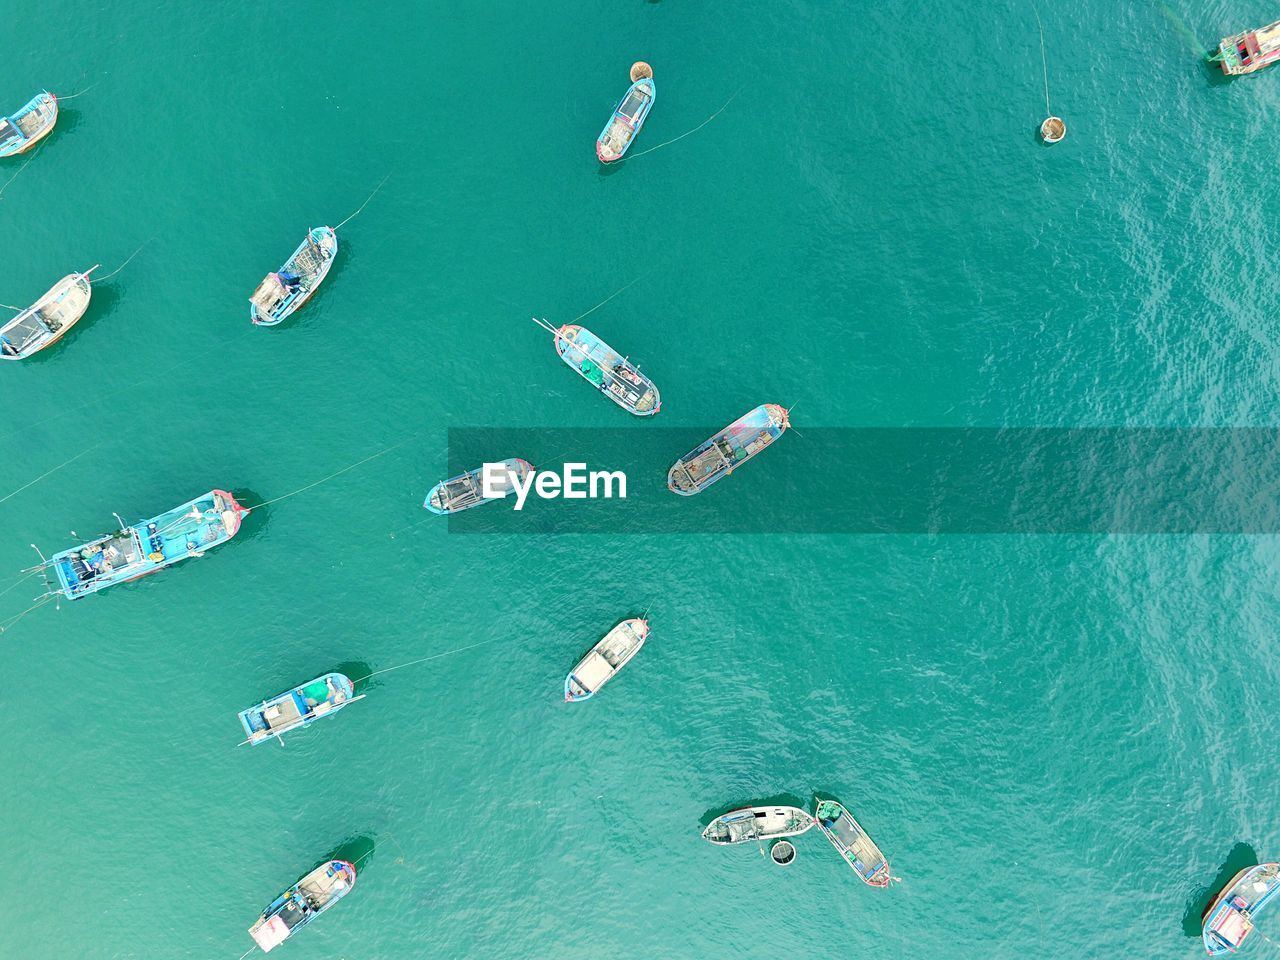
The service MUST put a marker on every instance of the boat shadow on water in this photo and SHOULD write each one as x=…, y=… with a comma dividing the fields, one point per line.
x=774, y=800
x=356, y=671
x=357, y=849
x=255, y=524
x=1215, y=77
x=1242, y=855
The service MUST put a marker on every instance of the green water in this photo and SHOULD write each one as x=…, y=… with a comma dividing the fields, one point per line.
x=1059, y=741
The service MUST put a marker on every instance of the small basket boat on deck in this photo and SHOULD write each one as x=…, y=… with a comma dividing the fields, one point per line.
x=1251, y=51
x=467, y=489
x=297, y=708
x=47, y=320
x=757, y=823
x=284, y=291
x=303, y=902
x=148, y=546
x=22, y=131
x=611, y=373
x=852, y=842
x=727, y=450
x=606, y=658
x=627, y=119
x=1231, y=916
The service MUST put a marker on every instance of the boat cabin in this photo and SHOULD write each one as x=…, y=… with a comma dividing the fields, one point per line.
x=1231, y=924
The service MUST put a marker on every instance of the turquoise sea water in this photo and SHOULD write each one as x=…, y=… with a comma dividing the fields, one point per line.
x=1060, y=741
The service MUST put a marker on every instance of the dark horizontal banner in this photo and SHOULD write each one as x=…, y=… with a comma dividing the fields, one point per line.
x=931, y=481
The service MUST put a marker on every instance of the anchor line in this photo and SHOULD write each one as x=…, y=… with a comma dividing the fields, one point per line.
x=694, y=130
x=1044, y=62
x=363, y=205
x=126, y=263
x=434, y=656
x=336, y=473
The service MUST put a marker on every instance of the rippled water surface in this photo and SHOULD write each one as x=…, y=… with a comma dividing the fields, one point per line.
x=1059, y=740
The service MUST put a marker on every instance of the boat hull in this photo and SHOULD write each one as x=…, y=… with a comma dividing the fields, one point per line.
x=626, y=120
x=311, y=896
x=297, y=708
x=440, y=501
x=717, y=457
x=619, y=379
x=855, y=847
x=1229, y=919
x=327, y=241
x=1251, y=51
x=49, y=319
x=752, y=824
x=150, y=546
x=45, y=106
x=602, y=663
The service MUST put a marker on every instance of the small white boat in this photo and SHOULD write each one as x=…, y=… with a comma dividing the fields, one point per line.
x=757, y=823
x=606, y=658
x=47, y=320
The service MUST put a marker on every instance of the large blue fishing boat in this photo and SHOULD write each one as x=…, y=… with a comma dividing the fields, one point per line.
x=148, y=546
x=31, y=124
x=303, y=902
x=730, y=448
x=282, y=292
x=297, y=708
x=627, y=119
x=1231, y=916
x=609, y=371
x=466, y=490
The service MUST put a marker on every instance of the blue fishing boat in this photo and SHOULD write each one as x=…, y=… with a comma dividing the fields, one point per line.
x=730, y=448
x=851, y=842
x=298, y=707
x=1230, y=918
x=606, y=658
x=628, y=117
x=467, y=489
x=47, y=320
x=600, y=365
x=148, y=546
x=31, y=124
x=284, y=291
x=303, y=902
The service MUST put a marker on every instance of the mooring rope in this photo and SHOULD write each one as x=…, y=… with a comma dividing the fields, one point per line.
x=1044, y=62
x=54, y=470
x=125, y=264
x=434, y=656
x=8, y=624
x=608, y=298
x=694, y=130
x=332, y=475
x=21, y=580
x=39, y=147
x=79, y=93
x=363, y=205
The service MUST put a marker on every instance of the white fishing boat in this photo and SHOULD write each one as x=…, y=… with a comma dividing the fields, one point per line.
x=606, y=658
x=47, y=320
x=757, y=823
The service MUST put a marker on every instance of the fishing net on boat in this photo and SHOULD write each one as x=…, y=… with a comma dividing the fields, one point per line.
x=316, y=691
x=309, y=259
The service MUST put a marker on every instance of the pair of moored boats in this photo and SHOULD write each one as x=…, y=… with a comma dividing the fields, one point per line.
x=776, y=822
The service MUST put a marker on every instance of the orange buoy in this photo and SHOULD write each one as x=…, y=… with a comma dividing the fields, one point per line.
x=641, y=71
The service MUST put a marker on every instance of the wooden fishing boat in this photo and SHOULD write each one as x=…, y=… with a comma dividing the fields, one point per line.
x=852, y=842
x=1251, y=51
x=600, y=365
x=727, y=450
x=757, y=823
x=1230, y=918
x=284, y=291
x=297, y=708
x=47, y=320
x=467, y=489
x=606, y=658
x=31, y=124
x=303, y=902
x=627, y=119
x=148, y=546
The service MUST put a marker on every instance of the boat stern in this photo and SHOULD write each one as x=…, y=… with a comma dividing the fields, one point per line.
x=574, y=691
